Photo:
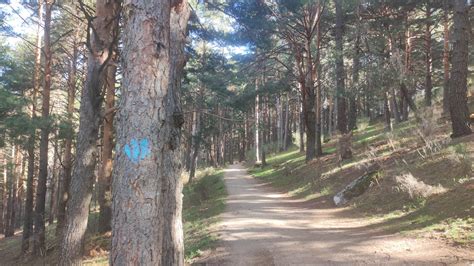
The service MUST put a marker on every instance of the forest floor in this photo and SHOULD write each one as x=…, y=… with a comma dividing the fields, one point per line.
x=204, y=200
x=264, y=227
x=418, y=210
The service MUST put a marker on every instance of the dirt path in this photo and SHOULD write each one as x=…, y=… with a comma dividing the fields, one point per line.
x=261, y=227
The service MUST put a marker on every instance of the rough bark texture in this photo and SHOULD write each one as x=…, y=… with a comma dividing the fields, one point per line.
x=67, y=156
x=147, y=199
x=28, y=219
x=458, y=107
x=308, y=103
x=319, y=106
x=446, y=56
x=39, y=247
x=104, y=178
x=428, y=82
x=100, y=50
x=340, y=87
x=352, y=114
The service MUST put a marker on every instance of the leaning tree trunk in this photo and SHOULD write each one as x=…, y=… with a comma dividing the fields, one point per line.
x=104, y=178
x=39, y=230
x=28, y=220
x=147, y=199
x=100, y=51
x=458, y=107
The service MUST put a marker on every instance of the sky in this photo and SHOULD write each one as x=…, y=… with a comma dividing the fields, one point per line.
x=20, y=20
x=17, y=14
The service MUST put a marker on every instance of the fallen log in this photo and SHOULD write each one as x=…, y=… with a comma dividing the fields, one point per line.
x=356, y=187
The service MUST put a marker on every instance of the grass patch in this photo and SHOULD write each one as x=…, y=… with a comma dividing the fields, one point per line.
x=204, y=200
x=446, y=214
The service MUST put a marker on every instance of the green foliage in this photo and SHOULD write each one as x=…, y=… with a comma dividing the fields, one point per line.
x=203, y=201
x=15, y=78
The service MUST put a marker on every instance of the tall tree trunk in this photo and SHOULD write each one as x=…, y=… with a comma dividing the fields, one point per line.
x=30, y=190
x=146, y=177
x=387, y=115
x=101, y=48
x=458, y=107
x=20, y=191
x=67, y=156
x=104, y=178
x=319, y=106
x=446, y=56
x=394, y=106
x=340, y=84
x=405, y=95
x=257, y=123
x=53, y=183
x=3, y=189
x=286, y=124
x=428, y=82
x=352, y=114
x=301, y=126
x=12, y=186
x=279, y=122
x=196, y=142
x=39, y=247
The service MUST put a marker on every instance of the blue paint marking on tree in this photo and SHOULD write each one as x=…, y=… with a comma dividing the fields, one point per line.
x=137, y=150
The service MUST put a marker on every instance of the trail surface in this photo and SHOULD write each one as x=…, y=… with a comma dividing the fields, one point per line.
x=264, y=227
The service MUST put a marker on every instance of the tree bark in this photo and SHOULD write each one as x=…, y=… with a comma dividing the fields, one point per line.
x=39, y=247
x=428, y=82
x=30, y=190
x=146, y=180
x=12, y=187
x=257, y=123
x=387, y=115
x=301, y=126
x=352, y=115
x=101, y=46
x=446, y=56
x=405, y=95
x=104, y=178
x=286, y=125
x=3, y=189
x=319, y=106
x=195, y=142
x=340, y=84
x=67, y=156
x=458, y=107
x=53, y=183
